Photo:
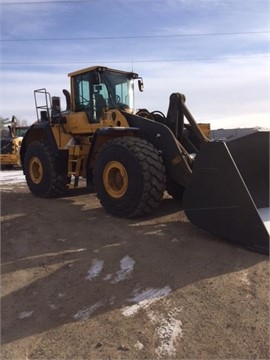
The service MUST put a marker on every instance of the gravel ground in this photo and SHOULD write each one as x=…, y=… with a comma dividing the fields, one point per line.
x=78, y=283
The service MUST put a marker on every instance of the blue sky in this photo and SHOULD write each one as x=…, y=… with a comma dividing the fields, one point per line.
x=216, y=52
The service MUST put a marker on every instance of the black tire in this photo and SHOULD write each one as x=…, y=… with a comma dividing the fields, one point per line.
x=41, y=174
x=175, y=190
x=129, y=177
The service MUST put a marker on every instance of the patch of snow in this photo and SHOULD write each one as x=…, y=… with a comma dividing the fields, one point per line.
x=95, y=269
x=26, y=314
x=107, y=277
x=86, y=313
x=144, y=299
x=168, y=330
x=11, y=177
x=150, y=294
x=126, y=267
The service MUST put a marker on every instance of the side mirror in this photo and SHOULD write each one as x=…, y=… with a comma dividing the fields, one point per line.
x=140, y=83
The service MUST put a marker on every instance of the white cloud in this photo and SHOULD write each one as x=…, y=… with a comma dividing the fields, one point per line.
x=18, y=91
x=226, y=93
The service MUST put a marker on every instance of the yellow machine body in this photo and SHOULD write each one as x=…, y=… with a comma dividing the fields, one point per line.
x=11, y=139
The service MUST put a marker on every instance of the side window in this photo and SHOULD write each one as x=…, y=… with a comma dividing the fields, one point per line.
x=121, y=91
x=83, y=93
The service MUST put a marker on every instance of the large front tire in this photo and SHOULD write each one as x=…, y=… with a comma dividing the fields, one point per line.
x=42, y=176
x=129, y=177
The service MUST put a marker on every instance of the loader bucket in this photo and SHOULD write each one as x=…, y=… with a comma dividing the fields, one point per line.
x=229, y=190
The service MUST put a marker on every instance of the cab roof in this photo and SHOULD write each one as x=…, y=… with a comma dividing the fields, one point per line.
x=102, y=69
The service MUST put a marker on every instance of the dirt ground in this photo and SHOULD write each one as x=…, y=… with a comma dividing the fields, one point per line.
x=78, y=283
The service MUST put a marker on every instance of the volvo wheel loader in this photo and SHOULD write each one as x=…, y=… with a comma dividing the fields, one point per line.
x=11, y=139
x=131, y=158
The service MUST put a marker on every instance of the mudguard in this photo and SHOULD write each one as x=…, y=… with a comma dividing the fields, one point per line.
x=229, y=190
x=40, y=131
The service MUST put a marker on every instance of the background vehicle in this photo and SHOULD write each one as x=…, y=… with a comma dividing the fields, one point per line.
x=131, y=158
x=11, y=139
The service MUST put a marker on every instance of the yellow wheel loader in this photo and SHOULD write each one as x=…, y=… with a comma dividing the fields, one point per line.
x=131, y=158
x=11, y=139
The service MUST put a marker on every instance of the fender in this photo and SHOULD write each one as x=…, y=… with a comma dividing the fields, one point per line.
x=42, y=131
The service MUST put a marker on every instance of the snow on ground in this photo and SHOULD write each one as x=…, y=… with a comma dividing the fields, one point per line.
x=143, y=299
x=126, y=265
x=95, y=269
x=10, y=177
x=169, y=330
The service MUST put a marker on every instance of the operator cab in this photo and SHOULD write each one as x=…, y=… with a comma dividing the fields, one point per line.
x=97, y=89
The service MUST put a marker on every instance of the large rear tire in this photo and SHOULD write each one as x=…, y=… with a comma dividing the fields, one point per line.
x=41, y=173
x=129, y=177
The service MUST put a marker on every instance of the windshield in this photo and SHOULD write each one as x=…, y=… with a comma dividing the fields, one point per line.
x=117, y=89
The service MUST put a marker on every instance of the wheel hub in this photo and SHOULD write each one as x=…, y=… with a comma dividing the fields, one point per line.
x=35, y=170
x=115, y=179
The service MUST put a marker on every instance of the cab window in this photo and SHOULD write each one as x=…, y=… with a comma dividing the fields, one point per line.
x=82, y=92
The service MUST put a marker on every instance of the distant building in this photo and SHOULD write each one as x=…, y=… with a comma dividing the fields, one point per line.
x=228, y=134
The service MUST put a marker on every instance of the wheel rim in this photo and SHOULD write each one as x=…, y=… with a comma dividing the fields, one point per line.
x=35, y=170
x=115, y=179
